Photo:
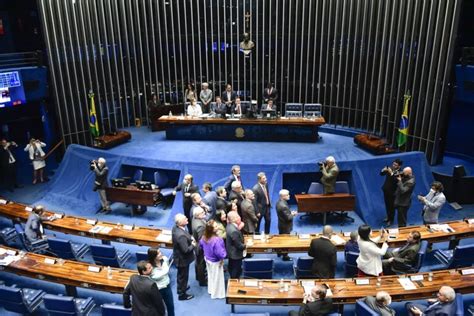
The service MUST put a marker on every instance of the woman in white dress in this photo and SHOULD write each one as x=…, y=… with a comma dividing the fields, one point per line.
x=194, y=109
x=36, y=155
x=214, y=254
x=370, y=256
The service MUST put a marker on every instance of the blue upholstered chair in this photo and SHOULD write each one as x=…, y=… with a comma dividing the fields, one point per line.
x=258, y=268
x=350, y=263
x=115, y=310
x=293, y=110
x=161, y=180
x=419, y=259
x=461, y=256
x=107, y=255
x=7, y=235
x=141, y=256
x=459, y=305
x=312, y=109
x=138, y=175
x=315, y=188
x=58, y=305
x=343, y=187
x=22, y=301
x=302, y=267
x=250, y=314
x=362, y=309
x=38, y=246
x=66, y=249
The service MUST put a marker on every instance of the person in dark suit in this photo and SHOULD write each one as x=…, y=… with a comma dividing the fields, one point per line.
x=219, y=108
x=228, y=97
x=270, y=106
x=404, y=258
x=221, y=202
x=405, y=186
x=199, y=202
x=285, y=217
x=324, y=255
x=199, y=225
x=8, y=165
x=234, y=176
x=236, y=195
x=188, y=188
x=183, y=254
x=210, y=198
x=34, y=226
x=270, y=93
x=444, y=305
x=389, y=187
x=380, y=303
x=352, y=245
x=330, y=172
x=235, y=245
x=147, y=300
x=262, y=199
x=315, y=304
x=249, y=217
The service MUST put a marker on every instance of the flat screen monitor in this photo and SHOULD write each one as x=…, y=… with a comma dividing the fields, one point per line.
x=268, y=113
x=11, y=89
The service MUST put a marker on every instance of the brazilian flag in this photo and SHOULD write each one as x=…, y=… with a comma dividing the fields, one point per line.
x=93, y=124
x=403, y=127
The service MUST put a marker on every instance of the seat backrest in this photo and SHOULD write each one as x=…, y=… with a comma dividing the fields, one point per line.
x=141, y=256
x=258, y=268
x=363, y=309
x=61, y=248
x=315, y=188
x=161, y=179
x=312, y=109
x=421, y=256
x=303, y=267
x=294, y=107
x=138, y=175
x=105, y=255
x=59, y=305
x=115, y=310
x=11, y=298
x=463, y=256
x=342, y=187
x=459, y=305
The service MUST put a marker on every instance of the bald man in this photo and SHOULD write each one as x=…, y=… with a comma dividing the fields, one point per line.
x=324, y=255
x=405, y=186
x=315, y=303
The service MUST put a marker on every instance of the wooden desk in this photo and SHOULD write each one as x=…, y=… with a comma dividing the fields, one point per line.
x=133, y=196
x=324, y=203
x=71, y=273
x=112, y=140
x=142, y=236
x=146, y=236
x=345, y=291
x=242, y=129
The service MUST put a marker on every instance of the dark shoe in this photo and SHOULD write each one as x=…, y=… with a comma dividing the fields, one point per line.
x=203, y=284
x=286, y=258
x=185, y=297
x=105, y=212
x=100, y=210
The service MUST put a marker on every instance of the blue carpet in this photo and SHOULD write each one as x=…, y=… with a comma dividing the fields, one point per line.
x=70, y=191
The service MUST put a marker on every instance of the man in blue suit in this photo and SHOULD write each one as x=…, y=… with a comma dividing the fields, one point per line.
x=234, y=176
x=444, y=305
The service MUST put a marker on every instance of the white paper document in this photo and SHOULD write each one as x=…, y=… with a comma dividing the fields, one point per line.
x=338, y=240
x=251, y=283
x=106, y=230
x=442, y=227
x=96, y=229
x=467, y=271
x=407, y=283
x=307, y=286
x=163, y=238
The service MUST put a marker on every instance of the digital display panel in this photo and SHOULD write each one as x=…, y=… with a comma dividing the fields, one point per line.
x=11, y=89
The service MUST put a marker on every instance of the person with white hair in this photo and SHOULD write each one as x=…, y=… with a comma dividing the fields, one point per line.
x=234, y=176
x=444, y=304
x=315, y=303
x=330, y=172
x=235, y=245
x=187, y=187
x=101, y=171
x=206, y=96
x=183, y=254
x=380, y=303
x=199, y=225
x=324, y=255
x=405, y=187
x=236, y=195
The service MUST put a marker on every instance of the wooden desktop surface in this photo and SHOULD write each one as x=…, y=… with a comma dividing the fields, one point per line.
x=133, y=195
x=146, y=236
x=188, y=120
x=346, y=291
x=320, y=203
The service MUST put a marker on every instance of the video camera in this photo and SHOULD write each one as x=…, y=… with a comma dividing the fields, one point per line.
x=92, y=164
x=321, y=164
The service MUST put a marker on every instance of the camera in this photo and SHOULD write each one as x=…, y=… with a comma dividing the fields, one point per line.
x=321, y=164
x=92, y=164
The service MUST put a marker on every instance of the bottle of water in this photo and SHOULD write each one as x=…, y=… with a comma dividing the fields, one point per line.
x=109, y=272
x=170, y=114
x=282, y=285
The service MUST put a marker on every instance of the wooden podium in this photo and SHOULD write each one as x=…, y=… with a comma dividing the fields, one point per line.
x=135, y=197
x=112, y=140
x=324, y=203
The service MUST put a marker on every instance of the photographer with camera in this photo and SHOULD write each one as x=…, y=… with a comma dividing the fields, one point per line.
x=330, y=172
x=100, y=183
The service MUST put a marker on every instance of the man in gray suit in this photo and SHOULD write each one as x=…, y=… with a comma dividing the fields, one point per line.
x=183, y=254
x=33, y=226
x=199, y=225
x=433, y=202
x=262, y=197
x=380, y=303
x=444, y=304
x=404, y=258
x=210, y=198
x=285, y=217
x=235, y=245
x=405, y=186
x=330, y=172
x=249, y=217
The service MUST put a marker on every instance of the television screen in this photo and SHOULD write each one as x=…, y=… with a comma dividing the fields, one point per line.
x=11, y=89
